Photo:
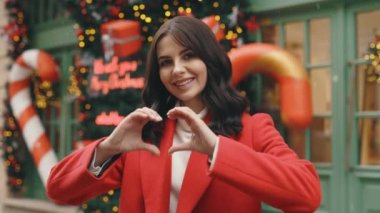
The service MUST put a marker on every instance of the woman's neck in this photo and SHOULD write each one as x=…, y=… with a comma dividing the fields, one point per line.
x=197, y=107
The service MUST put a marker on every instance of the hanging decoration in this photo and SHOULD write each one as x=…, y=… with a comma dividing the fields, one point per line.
x=233, y=17
x=23, y=109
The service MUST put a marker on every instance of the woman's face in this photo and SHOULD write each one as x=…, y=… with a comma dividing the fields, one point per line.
x=182, y=73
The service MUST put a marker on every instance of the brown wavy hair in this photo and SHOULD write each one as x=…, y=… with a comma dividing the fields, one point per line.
x=224, y=103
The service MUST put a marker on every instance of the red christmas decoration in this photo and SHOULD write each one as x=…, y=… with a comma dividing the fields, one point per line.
x=214, y=25
x=114, y=11
x=13, y=30
x=120, y=38
x=251, y=24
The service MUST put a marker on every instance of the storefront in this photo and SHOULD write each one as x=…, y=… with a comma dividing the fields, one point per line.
x=330, y=37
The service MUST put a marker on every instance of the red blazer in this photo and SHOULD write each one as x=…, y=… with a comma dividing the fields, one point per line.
x=255, y=167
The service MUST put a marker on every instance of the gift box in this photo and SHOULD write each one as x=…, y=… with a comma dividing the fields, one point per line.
x=121, y=38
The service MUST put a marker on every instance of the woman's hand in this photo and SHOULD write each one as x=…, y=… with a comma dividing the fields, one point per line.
x=127, y=135
x=203, y=139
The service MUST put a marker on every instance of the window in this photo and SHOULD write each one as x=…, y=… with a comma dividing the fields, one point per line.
x=310, y=41
x=367, y=86
x=44, y=11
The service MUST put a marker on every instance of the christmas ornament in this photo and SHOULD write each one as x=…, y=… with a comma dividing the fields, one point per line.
x=251, y=24
x=214, y=23
x=233, y=17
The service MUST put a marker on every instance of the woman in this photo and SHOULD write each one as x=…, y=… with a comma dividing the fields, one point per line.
x=192, y=148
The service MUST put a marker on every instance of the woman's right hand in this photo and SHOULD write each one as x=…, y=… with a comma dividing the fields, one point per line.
x=127, y=136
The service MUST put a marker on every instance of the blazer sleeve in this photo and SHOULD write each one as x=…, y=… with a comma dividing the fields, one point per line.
x=269, y=170
x=71, y=183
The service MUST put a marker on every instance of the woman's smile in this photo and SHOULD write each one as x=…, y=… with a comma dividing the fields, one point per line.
x=184, y=83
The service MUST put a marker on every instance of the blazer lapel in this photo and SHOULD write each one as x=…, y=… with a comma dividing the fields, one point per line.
x=156, y=173
x=195, y=181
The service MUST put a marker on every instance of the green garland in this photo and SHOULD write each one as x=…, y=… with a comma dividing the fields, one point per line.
x=16, y=34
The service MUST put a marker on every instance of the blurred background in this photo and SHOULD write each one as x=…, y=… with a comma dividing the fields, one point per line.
x=99, y=47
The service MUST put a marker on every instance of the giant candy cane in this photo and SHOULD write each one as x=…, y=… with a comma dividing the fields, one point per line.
x=295, y=92
x=21, y=103
x=294, y=86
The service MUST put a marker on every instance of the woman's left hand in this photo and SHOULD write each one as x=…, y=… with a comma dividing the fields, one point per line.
x=203, y=139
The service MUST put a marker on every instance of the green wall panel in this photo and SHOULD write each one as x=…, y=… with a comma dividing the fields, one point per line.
x=326, y=187
x=371, y=192
x=261, y=6
x=55, y=37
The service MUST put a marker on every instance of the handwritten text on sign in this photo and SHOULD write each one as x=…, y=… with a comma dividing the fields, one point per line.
x=114, y=75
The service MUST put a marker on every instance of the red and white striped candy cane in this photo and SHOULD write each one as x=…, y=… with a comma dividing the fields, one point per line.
x=21, y=103
x=269, y=59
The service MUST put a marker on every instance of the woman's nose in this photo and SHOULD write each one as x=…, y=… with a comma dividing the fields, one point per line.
x=178, y=68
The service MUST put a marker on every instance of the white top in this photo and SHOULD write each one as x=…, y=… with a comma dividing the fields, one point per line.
x=180, y=159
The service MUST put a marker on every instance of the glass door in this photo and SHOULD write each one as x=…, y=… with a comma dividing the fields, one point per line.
x=364, y=105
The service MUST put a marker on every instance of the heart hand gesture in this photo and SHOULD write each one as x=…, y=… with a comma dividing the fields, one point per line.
x=127, y=135
x=203, y=139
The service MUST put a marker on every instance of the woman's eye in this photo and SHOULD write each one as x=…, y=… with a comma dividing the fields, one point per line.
x=188, y=55
x=164, y=63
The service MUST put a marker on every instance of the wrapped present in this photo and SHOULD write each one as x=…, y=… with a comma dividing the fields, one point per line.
x=214, y=25
x=120, y=38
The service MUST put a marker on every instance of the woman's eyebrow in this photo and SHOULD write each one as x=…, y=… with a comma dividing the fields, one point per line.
x=166, y=56
x=163, y=57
